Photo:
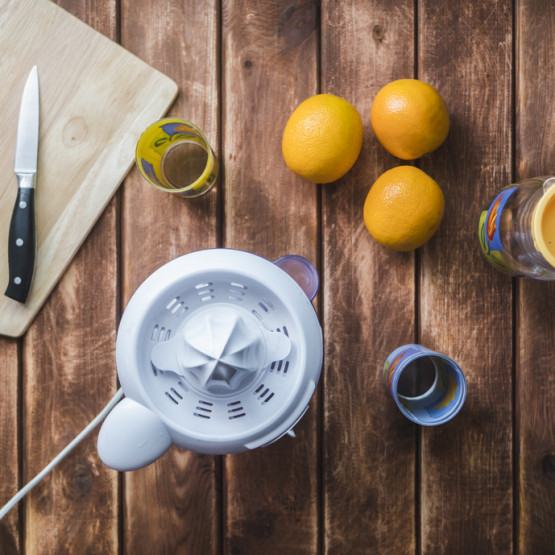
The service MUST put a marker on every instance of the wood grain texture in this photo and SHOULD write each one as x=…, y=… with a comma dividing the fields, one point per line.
x=95, y=100
x=535, y=326
x=359, y=477
x=69, y=376
x=172, y=506
x=269, y=67
x=368, y=445
x=464, y=50
x=9, y=440
x=535, y=412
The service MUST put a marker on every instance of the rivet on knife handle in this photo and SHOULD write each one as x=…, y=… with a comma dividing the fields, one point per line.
x=22, y=245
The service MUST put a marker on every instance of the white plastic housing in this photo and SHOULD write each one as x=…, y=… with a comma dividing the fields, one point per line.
x=193, y=403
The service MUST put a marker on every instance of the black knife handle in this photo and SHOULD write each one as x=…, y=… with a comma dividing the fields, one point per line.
x=22, y=245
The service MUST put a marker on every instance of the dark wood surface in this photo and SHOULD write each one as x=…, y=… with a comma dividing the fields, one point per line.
x=465, y=309
x=359, y=477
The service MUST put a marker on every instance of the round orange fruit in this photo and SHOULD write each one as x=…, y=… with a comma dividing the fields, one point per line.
x=322, y=139
x=404, y=208
x=409, y=118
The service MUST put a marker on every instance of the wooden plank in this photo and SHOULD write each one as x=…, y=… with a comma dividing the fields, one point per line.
x=269, y=66
x=535, y=402
x=11, y=447
x=68, y=378
x=369, y=446
x=172, y=506
x=535, y=410
x=466, y=313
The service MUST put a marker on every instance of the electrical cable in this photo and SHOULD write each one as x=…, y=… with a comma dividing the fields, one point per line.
x=58, y=458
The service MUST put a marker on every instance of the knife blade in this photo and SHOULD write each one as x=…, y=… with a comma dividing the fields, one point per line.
x=22, y=238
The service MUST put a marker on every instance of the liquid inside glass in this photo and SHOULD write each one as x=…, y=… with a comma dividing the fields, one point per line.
x=417, y=378
x=183, y=163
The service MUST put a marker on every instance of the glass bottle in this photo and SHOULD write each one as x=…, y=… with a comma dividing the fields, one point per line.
x=517, y=230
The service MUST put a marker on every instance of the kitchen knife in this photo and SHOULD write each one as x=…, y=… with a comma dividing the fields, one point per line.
x=22, y=240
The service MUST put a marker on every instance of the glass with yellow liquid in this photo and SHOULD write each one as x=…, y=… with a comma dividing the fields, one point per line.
x=175, y=156
x=517, y=229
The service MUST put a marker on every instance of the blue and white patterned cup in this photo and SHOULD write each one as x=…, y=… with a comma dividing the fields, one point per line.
x=428, y=387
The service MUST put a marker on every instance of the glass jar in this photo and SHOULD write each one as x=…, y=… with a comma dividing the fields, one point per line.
x=517, y=229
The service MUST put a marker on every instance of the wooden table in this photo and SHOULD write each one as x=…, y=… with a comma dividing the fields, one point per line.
x=359, y=477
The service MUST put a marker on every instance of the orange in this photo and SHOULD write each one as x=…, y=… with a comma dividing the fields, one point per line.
x=403, y=208
x=322, y=139
x=409, y=118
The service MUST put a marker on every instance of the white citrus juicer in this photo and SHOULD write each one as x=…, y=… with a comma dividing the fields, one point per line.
x=218, y=351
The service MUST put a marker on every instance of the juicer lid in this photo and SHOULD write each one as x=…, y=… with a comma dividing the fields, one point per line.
x=224, y=347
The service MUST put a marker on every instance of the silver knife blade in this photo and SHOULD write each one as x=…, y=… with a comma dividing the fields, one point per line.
x=26, y=148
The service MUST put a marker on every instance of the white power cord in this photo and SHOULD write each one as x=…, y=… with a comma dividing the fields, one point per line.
x=94, y=423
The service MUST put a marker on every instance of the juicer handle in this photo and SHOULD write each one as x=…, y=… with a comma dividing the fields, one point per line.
x=131, y=437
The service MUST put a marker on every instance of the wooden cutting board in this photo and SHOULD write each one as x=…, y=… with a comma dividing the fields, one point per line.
x=95, y=100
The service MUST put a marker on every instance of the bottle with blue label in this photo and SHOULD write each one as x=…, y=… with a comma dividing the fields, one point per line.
x=517, y=230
